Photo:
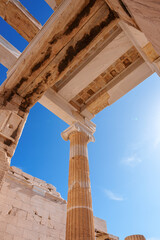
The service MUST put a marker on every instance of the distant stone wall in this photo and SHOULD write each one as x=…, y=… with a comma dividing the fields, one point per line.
x=31, y=209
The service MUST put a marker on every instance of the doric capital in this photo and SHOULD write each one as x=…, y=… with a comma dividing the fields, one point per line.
x=88, y=128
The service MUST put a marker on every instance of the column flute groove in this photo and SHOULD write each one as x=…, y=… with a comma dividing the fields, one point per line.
x=80, y=224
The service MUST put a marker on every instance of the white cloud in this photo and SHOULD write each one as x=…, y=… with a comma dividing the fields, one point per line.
x=131, y=161
x=113, y=196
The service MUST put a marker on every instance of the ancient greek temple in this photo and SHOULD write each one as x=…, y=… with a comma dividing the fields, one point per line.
x=88, y=55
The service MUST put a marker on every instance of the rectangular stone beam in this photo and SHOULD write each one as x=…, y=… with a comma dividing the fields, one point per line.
x=61, y=108
x=16, y=15
x=118, y=45
x=51, y=100
x=118, y=86
x=126, y=83
x=146, y=15
x=58, y=48
x=143, y=46
x=8, y=53
x=85, y=41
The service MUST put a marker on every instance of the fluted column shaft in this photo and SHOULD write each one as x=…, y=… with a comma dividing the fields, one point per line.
x=135, y=237
x=80, y=223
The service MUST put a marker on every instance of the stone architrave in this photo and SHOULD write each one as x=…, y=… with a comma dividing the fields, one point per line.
x=12, y=121
x=80, y=222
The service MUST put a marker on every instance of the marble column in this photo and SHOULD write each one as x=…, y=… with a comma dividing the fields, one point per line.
x=80, y=223
x=135, y=237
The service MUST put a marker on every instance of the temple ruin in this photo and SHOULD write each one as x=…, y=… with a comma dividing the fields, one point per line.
x=88, y=54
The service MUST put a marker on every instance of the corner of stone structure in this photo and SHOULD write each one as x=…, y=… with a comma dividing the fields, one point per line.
x=12, y=121
x=37, y=185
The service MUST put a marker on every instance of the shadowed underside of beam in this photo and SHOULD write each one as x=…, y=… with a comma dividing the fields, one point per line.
x=59, y=47
x=83, y=52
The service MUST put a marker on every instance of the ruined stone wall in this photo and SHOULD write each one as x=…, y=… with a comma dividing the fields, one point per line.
x=31, y=209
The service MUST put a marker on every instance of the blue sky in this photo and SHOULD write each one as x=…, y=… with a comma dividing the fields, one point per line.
x=124, y=160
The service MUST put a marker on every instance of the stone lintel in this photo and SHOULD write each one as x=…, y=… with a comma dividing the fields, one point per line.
x=88, y=128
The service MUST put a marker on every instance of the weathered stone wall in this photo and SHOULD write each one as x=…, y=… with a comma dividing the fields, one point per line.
x=31, y=209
